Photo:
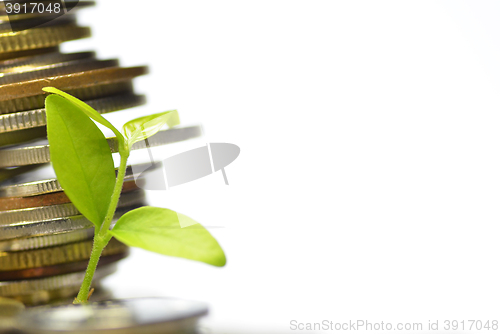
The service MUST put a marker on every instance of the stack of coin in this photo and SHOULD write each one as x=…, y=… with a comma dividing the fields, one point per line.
x=45, y=243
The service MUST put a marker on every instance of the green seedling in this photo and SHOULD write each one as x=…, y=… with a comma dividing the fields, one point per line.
x=82, y=160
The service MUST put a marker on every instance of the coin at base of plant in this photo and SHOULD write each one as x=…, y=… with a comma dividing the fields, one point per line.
x=83, y=163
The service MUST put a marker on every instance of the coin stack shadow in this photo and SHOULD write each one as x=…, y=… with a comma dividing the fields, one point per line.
x=45, y=243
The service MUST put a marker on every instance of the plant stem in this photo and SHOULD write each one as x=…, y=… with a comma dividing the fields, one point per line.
x=101, y=238
x=116, y=193
x=97, y=249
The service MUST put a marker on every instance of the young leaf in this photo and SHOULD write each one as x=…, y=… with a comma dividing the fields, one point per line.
x=144, y=127
x=88, y=110
x=170, y=233
x=81, y=158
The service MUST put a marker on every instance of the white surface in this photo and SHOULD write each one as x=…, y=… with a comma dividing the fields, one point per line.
x=368, y=185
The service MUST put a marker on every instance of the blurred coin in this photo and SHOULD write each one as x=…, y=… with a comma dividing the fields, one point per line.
x=144, y=315
x=25, y=53
x=9, y=308
x=51, y=226
x=70, y=81
x=30, y=187
x=56, y=69
x=8, y=173
x=27, y=287
x=22, y=136
x=36, y=22
x=84, y=93
x=44, y=213
x=51, y=256
x=37, y=118
x=42, y=297
x=16, y=203
x=58, y=269
x=33, y=155
x=23, y=63
x=20, y=244
x=62, y=296
x=41, y=37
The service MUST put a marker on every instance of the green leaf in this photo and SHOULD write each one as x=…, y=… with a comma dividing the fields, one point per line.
x=88, y=110
x=170, y=233
x=81, y=158
x=144, y=127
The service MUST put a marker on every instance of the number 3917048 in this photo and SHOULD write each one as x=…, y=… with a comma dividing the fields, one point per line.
x=32, y=8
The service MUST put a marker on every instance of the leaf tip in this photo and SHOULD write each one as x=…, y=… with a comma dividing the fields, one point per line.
x=49, y=89
x=222, y=261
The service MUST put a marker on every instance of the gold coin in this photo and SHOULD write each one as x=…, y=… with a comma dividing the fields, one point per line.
x=75, y=252
x=24, y=63
x=37, y=101
x=38, y=38
x=44, y=71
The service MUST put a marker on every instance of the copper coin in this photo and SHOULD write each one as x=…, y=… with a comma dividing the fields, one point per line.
x=15, y=203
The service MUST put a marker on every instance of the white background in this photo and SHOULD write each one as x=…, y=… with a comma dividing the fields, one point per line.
x=368, y=185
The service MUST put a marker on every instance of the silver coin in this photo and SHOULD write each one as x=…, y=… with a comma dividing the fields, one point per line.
x=57, y=69
x=36, y=118
x=27, y=188
x=34, y=155
x=22, y=244
x=58, y=225
x=12, y=65
x=25, y=287
x=44, y=213
x=141, y=315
